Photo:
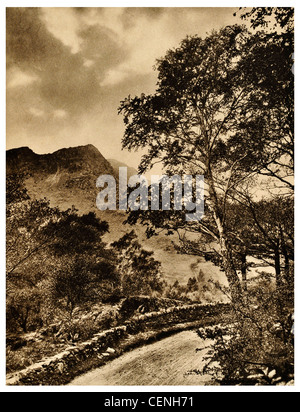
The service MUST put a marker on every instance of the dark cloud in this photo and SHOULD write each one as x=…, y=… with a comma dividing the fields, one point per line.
x=101, y=45
x=29, y=44
x=64, y=80
x=68, y=85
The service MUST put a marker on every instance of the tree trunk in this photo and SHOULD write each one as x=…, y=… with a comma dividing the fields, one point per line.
x=230, y=271
x=244, y=270
x=277, y=267
x=225, y=247
x=286, y=256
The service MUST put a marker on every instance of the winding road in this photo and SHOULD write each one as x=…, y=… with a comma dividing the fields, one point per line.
x=169, y=362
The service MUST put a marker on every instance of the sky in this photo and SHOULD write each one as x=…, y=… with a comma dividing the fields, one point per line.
x=69, y=68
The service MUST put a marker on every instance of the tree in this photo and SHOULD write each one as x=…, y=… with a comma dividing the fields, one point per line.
x=30, y=228
x=192, y=124
x=84, y=270
x=15, y=189
x=23, y=305
x=29, y=232
x=140, y=273
x=274, y=76
x=37, y=285
x=277, y=17
x=80, y=280
x=272, y=235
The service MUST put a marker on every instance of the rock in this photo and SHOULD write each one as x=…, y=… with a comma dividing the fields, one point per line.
x=276, y=328
x=105, y=354
x=60, y=367
x=277, y=380
x=255, y=377
x=291, y=383
x=110, y=350
x=272, y=374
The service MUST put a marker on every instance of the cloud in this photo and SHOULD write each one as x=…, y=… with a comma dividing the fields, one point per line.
x=60, y=114
x=63, y=24
x=64, y=81
x=69, y=57
x=102, y=46
x=17, y=78
x=68, y=68
x=36, y=112
x=27, y=40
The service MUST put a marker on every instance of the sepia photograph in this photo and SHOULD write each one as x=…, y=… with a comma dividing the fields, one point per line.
x=150, y=213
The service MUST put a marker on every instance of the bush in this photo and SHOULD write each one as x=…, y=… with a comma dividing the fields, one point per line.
x=259, y=347
x=199, y=289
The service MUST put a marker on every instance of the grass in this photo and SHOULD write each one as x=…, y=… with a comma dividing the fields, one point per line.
x=34, y=352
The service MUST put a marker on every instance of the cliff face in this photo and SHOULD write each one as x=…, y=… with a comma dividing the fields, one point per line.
x=66, y=177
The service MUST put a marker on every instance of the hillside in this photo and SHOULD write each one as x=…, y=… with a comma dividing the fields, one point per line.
x=131, y=171
x=68, y=176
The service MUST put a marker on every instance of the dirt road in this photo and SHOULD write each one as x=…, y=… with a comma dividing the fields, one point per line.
x=167, y=362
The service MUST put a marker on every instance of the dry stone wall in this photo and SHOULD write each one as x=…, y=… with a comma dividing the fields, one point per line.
x=62, y=368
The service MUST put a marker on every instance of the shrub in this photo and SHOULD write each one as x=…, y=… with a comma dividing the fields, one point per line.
x=259, y=348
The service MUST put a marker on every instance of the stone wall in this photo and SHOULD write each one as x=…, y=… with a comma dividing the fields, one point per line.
x=62, y=368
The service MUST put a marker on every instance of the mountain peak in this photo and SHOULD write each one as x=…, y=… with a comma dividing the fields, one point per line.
x=20, y=151
x=85, y=150
x=66, y=177
x=85, y=159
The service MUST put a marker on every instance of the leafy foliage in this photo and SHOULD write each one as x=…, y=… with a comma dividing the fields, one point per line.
x=57, y=263
x=140, y=272
x=216, y=113
x=259, y=345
